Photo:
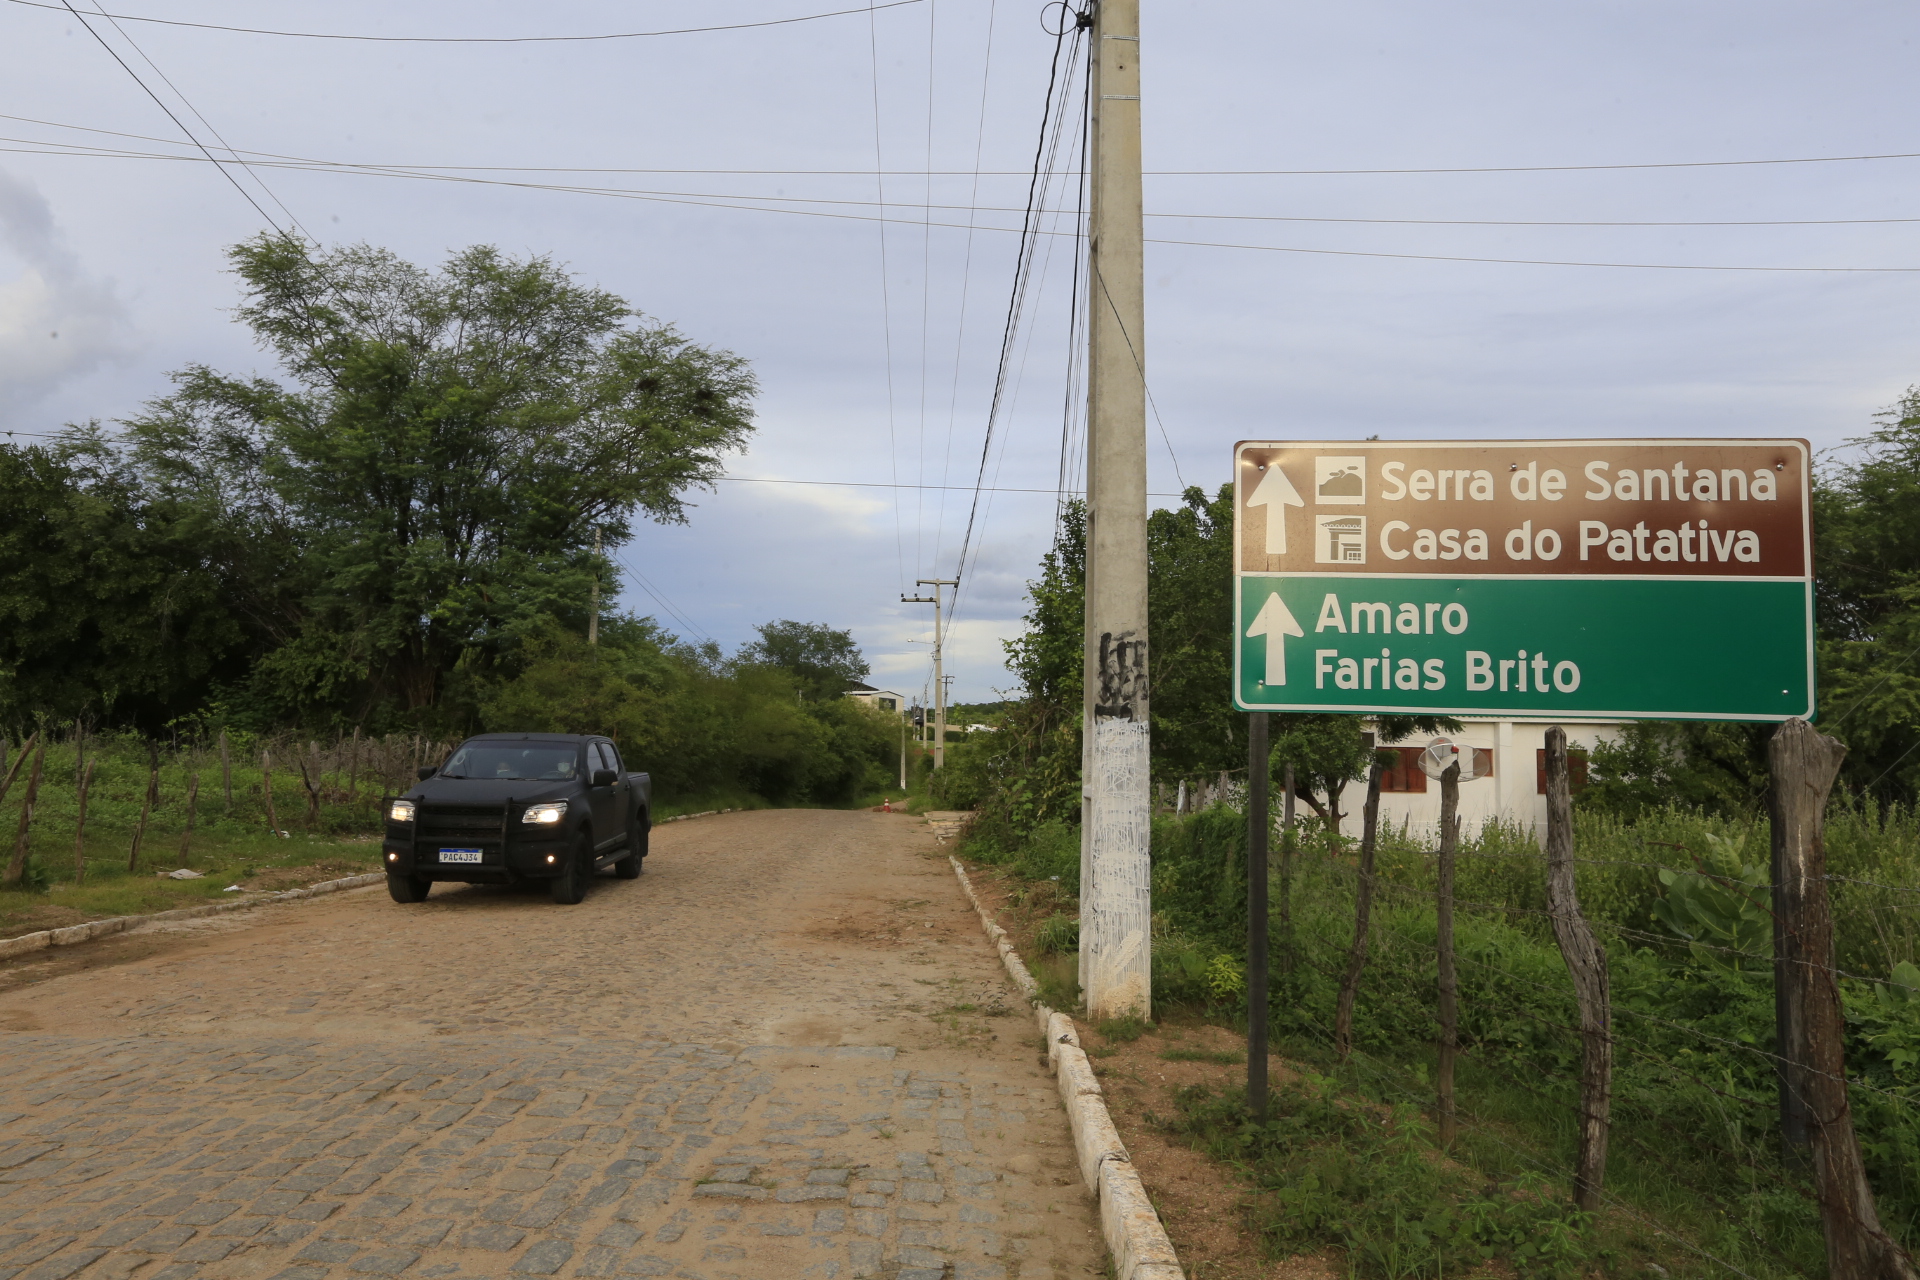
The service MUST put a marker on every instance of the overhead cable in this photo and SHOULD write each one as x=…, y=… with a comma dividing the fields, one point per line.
x=115, y=54
x=615, y=35
x=1022, y=275
x=1022, y=173
x=719, y=201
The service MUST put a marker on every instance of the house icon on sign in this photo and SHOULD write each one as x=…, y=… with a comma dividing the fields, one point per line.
x=1340, y=540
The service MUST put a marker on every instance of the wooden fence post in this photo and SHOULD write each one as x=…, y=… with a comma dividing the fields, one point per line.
x=26, y=749
x=1258, y=826
x=1804, y=764
x=80, y=827
x=1587, y=965
x=1443, y=944
x=17, y=865
x=193, y=798
x=1362, y=913
x=307, y=779
x=353, y=766
x=266, y=788
x=146, y=809
x=226, y=770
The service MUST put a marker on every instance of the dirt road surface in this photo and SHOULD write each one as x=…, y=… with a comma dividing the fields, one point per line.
x=784, y=1052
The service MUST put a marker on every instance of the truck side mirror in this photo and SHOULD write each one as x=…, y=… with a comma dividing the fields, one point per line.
x=426, y=771
x=605, y=777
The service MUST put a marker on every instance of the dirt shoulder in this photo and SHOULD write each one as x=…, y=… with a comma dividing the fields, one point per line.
x=1202, y=1204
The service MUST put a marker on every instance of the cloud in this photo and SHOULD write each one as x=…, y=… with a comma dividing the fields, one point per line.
x=57, y=321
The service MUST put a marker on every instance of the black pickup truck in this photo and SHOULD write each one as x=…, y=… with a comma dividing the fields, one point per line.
x=508, y=807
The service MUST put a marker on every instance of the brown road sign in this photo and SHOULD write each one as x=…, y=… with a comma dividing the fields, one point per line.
x=1657, y=579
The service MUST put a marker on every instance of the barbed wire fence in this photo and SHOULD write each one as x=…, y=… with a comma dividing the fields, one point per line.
x=1769, y=1117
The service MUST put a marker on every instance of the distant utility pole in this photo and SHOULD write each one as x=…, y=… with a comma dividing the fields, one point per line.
x=939, y=687
x=1115, y=897
x=593, y=617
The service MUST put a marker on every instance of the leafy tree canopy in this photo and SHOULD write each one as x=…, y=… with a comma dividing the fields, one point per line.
x=823, y=662
x=423, y=487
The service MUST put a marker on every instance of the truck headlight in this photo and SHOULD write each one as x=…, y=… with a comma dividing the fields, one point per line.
x=545, y=814
x=400, y=811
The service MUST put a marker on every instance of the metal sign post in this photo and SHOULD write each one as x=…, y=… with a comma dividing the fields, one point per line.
x=1597, y=579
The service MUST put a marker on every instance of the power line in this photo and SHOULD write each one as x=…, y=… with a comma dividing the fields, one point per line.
x=616, y=35
x=720, y=201
x=169, y=110
x=1023, y=173
x=660, y=599
x=1022, y=274
x=971, y=207
x=886, y=295
x=168, y=81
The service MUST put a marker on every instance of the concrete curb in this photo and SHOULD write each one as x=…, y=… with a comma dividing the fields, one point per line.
x=28, y=942
x=1134, y=1234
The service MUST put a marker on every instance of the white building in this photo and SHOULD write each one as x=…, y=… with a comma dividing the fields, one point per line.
x=1510, y=755
x=879, y=699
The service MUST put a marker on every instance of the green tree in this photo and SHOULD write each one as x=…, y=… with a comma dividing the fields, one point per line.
x=823, y=662
x=107, y=609
x=1190, y=636
x=1867, y=522
x=423, y=489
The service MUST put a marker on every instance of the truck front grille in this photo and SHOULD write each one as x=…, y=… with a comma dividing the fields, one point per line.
x=465, y=825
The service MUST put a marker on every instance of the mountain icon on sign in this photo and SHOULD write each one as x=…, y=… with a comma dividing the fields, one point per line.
x=1340, y=481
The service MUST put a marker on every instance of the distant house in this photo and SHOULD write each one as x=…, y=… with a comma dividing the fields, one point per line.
x=1510, y=782
x=879, y=699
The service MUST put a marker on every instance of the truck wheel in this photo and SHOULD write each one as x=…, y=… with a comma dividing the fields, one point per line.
x=570, y=886
x=630, y=867
x=408, y=888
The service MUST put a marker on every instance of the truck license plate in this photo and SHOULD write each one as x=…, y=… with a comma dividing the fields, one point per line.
x=459, y=855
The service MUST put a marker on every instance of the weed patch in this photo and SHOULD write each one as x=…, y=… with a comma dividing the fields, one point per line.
x=1222, y=1057
x=1370, y=1180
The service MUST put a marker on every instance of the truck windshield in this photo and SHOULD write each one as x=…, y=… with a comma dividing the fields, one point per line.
x=508, y=761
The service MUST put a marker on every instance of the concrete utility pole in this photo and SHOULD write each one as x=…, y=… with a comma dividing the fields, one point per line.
x=1115, y=900
x=593, y=617
x=939, y=687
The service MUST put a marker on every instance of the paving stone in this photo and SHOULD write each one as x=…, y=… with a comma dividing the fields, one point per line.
x=164, y=1239
x=202, y=1215
x=646, y=1264
x=384, y=1262
x=178, y=1271
x=327, y=1251
x=731, y=1190
x=62, y=1265
x=206, y=1250
x=498, y=1238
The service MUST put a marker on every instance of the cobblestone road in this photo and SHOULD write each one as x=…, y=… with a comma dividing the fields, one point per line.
x=786, y=1051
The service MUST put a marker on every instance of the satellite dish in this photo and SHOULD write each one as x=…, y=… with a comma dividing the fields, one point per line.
x=1442, y=752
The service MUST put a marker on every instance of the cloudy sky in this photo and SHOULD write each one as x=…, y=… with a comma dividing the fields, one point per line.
x=830, y=198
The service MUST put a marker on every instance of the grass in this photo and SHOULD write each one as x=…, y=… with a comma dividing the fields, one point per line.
x=1221, y=1057
x=1371, y=1181
x=1123, y=1030
x=253, y=861
x=1718, y=1204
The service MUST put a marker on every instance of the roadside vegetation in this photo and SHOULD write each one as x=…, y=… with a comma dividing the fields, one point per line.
x=400, y=537
x=1673, y=847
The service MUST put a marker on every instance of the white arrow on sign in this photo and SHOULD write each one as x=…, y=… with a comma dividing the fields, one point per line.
x=1276, y=623
x=1275, y=492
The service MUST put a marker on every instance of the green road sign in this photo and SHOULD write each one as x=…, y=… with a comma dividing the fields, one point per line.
x=1588, y=579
